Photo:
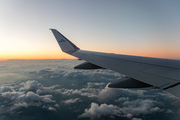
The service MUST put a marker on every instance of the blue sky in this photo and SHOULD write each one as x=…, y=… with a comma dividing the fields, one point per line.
x=145, y=28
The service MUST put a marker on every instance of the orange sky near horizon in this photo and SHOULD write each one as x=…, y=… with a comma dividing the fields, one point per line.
x=61, y=55
x=36, y=56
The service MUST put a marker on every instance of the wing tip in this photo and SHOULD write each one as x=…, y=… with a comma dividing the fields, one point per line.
x=52, y=29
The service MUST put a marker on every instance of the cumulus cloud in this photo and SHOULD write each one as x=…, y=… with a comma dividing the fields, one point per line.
x=90, y=84
x=129, y=109
x=136, y=119
x=56, y=105
x=38, y=91
x=129, y=115
x=75, y=73
x=110, y=93
x=31, y=86
x=107, y=93
x=29, y=95
x=65, y=70
x=51, y=108
x=88, y=91
x=18, y=106
x=46, y=71
x=78, y=92
x=25, y=99
x=36, y=87
x=140, y=106
x=169, y=111
x=122, y=99
x=70, y=101
x=134, y=92
x=12, y=95
x=97, y=111
x=6, y=89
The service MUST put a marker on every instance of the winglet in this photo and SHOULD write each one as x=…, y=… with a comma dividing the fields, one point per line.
x=66, y=45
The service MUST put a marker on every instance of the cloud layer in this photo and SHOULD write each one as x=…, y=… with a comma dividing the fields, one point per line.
x=81, y=93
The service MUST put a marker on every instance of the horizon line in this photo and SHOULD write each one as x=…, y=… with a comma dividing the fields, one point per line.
x=37, y=59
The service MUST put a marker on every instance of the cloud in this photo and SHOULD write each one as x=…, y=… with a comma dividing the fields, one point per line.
x=94, y=91
x=110, y=93
x=87, y=91
x=65, y=70
x=12, y=95
x=96, y=111
x=134, y=92
x=38, y=91
x=6, y=89
x=18, y=106
x=78, y=92
x=51, y=108
x=90, y=84
x=107, y=93
x=70, y=101
x=29, y=95
x=128, y=109
x=169, y=111
x=129, y=115
x=136, y=119
x=23, y=100
x=31, y=86
x=122, y=99
x=56, y=105
x=140, y=106
x=36, y=87
x=46, y=71
x=75, y=73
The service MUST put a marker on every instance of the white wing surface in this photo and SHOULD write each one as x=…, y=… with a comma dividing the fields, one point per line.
x=140, y=71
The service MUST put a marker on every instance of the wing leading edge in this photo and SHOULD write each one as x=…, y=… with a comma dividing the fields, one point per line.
x=140, y=71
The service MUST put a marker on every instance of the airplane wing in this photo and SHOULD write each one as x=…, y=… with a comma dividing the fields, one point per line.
x=140, y=71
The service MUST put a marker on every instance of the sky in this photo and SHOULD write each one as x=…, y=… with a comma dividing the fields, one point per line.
x=143, y=28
